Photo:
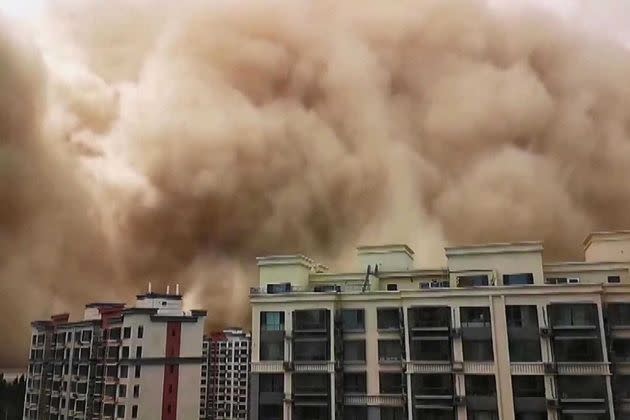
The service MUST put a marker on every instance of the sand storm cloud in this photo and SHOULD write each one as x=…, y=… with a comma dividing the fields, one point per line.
x=174, y=144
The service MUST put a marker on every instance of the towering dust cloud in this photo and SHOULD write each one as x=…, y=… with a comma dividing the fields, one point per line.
x=140, y=142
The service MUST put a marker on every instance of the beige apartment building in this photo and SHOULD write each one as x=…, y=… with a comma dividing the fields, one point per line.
x=497, y=334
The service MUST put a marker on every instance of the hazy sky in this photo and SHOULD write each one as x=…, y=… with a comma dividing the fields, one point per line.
x=610, y=17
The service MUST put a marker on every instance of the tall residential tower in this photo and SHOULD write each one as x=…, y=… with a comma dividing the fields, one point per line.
x=142, y=362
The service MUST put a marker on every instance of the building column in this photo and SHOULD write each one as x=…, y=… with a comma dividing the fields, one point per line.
x=458, y=356
x=551, y=392
x=288, y=356
x=608, y=378
x=409, y=393
x=503, y=373
x=253, y=396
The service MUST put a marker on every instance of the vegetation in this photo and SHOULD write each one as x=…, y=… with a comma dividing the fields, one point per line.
x=12, y=398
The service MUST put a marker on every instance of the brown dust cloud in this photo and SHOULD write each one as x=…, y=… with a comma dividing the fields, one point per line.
x=172, y=142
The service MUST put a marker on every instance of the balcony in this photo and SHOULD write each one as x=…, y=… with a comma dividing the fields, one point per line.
x=314, y=366
x=527, y=368
x=583, y=368
x=428, y=367
x=270, y=366
x=386, y=400
x=478, y=368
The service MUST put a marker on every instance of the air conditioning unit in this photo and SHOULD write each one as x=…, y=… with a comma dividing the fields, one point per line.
x=573, y=280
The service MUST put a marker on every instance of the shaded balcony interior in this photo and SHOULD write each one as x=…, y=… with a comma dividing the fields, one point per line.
x=476, y=333
x=311, y=335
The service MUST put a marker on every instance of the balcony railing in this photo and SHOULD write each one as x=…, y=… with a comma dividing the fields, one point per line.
x=583, y=368
x=271, y=366
x=428, y=367
x=479, y=368
x=255, y=291
x=314, y=367
x=375, y=400
x=527, y=368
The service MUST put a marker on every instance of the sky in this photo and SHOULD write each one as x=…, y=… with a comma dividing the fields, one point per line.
x=610, y=18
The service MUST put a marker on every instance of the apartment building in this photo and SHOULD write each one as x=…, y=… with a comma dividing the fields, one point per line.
x=140, y=362
x=496, y=334
x=225, y=375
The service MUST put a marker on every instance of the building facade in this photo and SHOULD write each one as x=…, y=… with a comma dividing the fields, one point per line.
x=496, y=334
x=141, y=362
x=225, y=377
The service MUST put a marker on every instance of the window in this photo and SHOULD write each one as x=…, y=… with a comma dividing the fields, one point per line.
x=308, y=383
x=430, y=349
x=392, y=287
x=480, y=385
x=140, y=331
x=388, y=318
x=520, y=316
x=588, y=387
x=614, y=279
x=355, y=412
x=518, y=279
x=124, y=371
x=270, y=412
x=528, y=386
x=389, y=350
x=430, y=317
x=272, y=321
x=432, y=384
x=125, y=352
x=134, y=411
x=478, y=350
x=619, y=314
x=310, y=320
x=354, y=350
x=136, y=391
x=355, y=383
x=390, y=383
x=271, y=382
x=472, y=281
x=573, y=315
x=127, y=332
x=272, y=350
x=475, y=316
x=311, y=350
x=120, y=411
x=122, y=390
x=353, y=319
x=137, y=372
x=577, y=350
x=138, y=352
x=392, y=413
x=525, y=350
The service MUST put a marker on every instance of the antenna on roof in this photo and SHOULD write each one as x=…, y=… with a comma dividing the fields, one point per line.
x=168, y=289
x=149, y=287
x=177, y=289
